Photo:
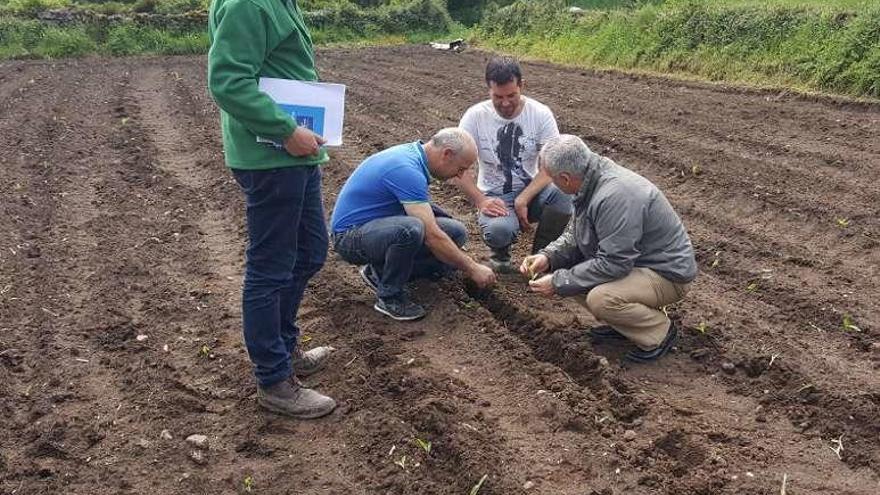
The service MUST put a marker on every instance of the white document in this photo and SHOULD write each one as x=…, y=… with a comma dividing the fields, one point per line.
x=319, y=107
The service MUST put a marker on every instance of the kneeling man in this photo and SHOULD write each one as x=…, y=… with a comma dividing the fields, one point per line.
x=384, y=220
x=625, y=249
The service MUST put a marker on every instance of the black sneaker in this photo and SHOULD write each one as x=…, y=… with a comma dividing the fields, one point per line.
x=606, y=332
x=400, y=308
x=369, y=277
x=640, y=356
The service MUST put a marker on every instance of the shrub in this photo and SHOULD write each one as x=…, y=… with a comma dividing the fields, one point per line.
x=65, y=42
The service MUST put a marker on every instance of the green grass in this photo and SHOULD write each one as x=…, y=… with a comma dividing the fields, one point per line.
x=810, y=46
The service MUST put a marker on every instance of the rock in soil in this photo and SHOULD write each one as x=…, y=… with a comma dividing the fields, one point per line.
x=199, y=441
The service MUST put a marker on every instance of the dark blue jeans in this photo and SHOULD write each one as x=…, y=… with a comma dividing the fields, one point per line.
x=501, y=232
x=394, y=247
x=287, y=245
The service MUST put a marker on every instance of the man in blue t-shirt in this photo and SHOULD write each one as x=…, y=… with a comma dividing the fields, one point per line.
x=384, y=220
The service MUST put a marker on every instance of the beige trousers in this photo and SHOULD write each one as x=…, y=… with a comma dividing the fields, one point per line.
x=631, y=305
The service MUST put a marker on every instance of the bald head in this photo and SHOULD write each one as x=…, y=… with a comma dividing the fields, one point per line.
x=456, y=140
x=451, y=152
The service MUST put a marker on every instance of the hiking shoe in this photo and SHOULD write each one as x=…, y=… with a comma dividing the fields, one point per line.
x=306, y=363
x=640, y=356
x=368, y=275
x=400, y=308
x=606, y=332
x=291, y=399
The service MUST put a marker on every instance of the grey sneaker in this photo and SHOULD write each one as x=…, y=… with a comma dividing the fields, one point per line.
x=291, y=399
x=400, y=308
x=306, y=363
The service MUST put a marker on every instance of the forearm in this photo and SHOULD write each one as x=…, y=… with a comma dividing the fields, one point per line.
x=535, y=187
x=445, y=250
x=564, y=251
x=583, y=276
x=468, y=186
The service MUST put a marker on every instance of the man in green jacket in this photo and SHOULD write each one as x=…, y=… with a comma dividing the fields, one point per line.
x=282, y=187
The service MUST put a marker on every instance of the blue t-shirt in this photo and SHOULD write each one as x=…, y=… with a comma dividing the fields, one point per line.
x=381, y=185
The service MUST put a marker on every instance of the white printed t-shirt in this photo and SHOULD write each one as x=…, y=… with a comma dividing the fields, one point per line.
x=508, y=148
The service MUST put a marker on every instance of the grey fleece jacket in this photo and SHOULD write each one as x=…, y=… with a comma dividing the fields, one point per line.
x=621, y=221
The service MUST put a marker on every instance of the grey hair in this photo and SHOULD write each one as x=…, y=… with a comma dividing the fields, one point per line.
x=568, y=153
x=454, y=138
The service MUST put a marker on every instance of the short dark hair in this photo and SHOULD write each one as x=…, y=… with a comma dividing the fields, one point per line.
x=502, y=70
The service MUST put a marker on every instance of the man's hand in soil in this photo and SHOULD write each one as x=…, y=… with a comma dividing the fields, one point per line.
x=493, y=207
x=543, y=286
x=534, y=265
x=482, y=275
x=303, y=142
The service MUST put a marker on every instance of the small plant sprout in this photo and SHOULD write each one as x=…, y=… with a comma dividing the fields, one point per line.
x=424, y=445
x=773, y=359
x=843, y=222
x=476, y=489
x=752, y=287
x=838, y=448
x=249, y=483
x=205, y=351
x=703, y=327
x=305, y=339
x=401, y=462
x=849, y=324
x=717, y=261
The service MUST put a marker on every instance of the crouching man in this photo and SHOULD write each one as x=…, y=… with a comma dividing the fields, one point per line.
x=625, y=253
x=384, y=220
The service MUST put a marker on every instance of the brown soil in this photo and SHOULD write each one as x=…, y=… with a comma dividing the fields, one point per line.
x=120, y=220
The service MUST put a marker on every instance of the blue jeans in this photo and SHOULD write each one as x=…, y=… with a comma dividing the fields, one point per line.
x=287, y=245
x=500, y=232
x=394, y=247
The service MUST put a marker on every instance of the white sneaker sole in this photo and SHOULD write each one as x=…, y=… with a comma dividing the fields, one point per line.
x=396, y=317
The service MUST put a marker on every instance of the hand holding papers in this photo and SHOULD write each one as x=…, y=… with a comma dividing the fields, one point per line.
x=320, y=107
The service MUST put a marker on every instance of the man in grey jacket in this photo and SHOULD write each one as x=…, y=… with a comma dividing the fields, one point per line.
x=625, y=249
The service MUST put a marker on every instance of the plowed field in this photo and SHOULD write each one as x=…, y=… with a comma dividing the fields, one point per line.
x=121, y=260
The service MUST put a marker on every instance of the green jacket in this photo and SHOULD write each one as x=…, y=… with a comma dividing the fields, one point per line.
x=252, y=39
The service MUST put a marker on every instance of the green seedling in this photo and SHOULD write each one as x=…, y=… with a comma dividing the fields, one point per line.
x=476, y=489
x=696, y=170
x=124, y=120
x=703, y=327
x=752, y=287
x=305, y=339
x=843, y=222
x=249, y=483
x=205, y=351
x=717, y=261
x=424, y=445
x=401, y=462
x=849, y=324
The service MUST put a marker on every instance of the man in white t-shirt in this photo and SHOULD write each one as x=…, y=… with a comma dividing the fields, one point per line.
x=511, y=192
